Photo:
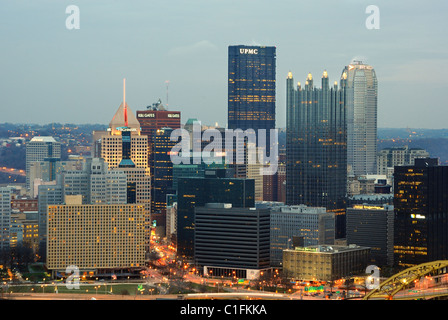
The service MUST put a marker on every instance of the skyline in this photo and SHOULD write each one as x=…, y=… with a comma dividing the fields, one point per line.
x=75, y=76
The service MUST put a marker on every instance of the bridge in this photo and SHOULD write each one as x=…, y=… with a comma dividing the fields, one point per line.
x=393, y=288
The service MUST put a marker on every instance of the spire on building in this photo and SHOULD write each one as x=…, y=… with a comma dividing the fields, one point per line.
x=124, y=118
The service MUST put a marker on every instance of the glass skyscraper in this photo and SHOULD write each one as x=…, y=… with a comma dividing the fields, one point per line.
x=316, y=150
x=214, y=187
x=421, y=210
x=362, y=96
x=251, y=88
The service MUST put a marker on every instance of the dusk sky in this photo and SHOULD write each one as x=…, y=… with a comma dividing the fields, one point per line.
x=52, y=74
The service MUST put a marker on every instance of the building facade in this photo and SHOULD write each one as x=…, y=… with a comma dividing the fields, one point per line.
x=314, y=225
x=362, y=105
x=420, y=206
x=372, y=226
x=251, y=88
x=96, y=238
x=325, y=263
x=230, y=241
x=316, y=154
x=196, y=192
x=398, y=156
x=39, y=148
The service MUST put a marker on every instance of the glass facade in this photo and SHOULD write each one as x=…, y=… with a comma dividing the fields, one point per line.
x=362, y=105
x=162, y=173
x=195, y=192
x=316, y=147
x=251, y=88
x=420, y=209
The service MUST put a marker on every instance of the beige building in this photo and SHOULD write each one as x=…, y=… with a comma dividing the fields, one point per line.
x=108, y=144
x=95, y=238
x=398, y=156
x=324, y=262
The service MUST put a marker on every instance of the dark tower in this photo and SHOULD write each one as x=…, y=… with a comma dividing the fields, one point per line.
x=316, y=147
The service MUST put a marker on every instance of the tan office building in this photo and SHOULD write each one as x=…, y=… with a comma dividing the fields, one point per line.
x=325, y=263
x=95, y=238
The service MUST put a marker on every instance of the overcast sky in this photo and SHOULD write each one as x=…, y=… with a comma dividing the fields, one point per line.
x=49, y=73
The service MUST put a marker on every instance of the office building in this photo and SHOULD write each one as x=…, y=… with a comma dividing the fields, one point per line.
x=251, y=88
x=196, y=192
x=25, y=211
x=108, y=144
x=325, y=263
x=398, y=156
x=421, y=208
x=38, y=149
x=231, y=241
x=5, y=217
x=316, y=154
x=162, y=182
x=155, y=118
x=372, y=226
x=42, y=172
x=48, y=195
x=106, y=186
x=101, y=239
x=361, y=105
x=314, y=225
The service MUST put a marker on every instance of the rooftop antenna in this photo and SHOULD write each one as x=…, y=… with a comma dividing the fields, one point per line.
x=125, y=109
x=167, y=85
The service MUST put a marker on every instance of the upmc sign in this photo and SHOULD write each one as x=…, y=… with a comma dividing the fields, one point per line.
x=249, y=51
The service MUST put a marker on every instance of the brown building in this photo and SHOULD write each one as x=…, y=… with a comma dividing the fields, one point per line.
x=154, y=118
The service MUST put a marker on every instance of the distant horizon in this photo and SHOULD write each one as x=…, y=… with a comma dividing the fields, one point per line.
x=106, y=124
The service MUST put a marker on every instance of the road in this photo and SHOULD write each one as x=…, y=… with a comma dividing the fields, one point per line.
x=17, y=172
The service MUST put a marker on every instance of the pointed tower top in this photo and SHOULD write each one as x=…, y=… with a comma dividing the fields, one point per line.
x=124, y=119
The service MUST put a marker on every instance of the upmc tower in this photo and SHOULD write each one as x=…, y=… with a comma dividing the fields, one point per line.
x=251, y=88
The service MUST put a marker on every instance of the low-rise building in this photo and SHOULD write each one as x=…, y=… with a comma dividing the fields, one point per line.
x=325, y=263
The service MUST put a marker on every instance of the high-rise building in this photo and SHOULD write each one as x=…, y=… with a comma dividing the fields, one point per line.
x=38, y=149
x=313, y=224
x=5, y=217
x=155, y=118
x=398, y=156
x=421, y=209
x=316, y=154
x=125, y=149
x=103, y=239
x=162, y=183
x=372, y=226
x=47, y=170
x=48, y=194
x=157, y=123
x=231, y=241
x=251, y=88
x=196, y=192
x=361, y=105
x=123, y=137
